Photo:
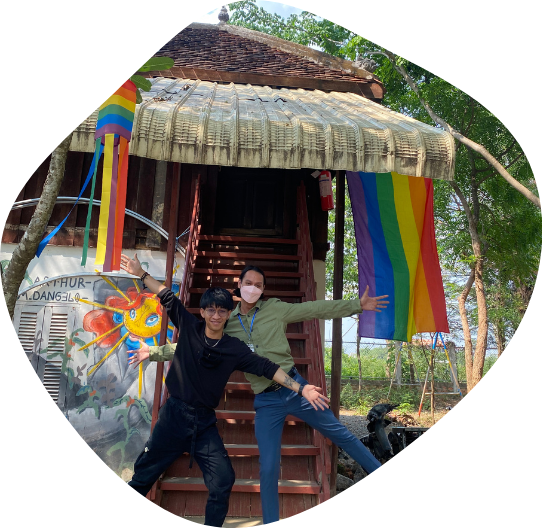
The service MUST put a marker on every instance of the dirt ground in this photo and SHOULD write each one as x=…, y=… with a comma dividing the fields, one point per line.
x=443, y=405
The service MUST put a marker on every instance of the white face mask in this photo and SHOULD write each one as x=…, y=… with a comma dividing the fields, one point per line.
x=250, y=294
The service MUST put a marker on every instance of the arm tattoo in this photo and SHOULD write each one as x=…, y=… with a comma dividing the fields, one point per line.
x=288, y=382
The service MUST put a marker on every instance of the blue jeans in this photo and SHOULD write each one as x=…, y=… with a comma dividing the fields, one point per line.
x=271, y=410
x=173, y=435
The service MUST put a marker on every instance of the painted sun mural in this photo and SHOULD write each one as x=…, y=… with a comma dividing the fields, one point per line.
x=131, y=317
x=85, y=328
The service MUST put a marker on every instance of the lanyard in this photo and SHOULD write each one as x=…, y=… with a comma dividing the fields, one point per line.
x=252, y=321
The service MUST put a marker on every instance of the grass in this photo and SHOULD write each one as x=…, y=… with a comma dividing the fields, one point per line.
x=407, y=398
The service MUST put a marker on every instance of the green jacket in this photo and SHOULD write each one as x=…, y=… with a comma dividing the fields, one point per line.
x=269, y=330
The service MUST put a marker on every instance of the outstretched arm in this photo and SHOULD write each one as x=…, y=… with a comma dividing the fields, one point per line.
x=294, y=312
x=156, y=353
x=140, y=355
x=133, y=267
x=310, y=392
x=374, y=304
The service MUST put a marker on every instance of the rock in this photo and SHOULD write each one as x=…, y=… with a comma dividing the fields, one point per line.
x=342, y=483
x=359, y=474
x=347, y=466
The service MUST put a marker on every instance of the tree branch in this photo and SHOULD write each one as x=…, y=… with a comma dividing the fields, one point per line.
x=480, y=149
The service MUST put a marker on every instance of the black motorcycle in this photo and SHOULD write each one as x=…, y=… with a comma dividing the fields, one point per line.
x=385, y=446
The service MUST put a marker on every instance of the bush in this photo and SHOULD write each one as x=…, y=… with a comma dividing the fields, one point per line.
x=361, y=402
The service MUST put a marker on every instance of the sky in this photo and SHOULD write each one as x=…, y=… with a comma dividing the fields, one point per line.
x=272, y=7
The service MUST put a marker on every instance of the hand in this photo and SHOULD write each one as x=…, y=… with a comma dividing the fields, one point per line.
x=132, y=266
x=373, y=303
x=315, y=397
x=139, y=356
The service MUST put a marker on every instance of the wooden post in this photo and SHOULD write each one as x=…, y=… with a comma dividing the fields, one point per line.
x=337, y=337
x=171, y=245
x=153, y=494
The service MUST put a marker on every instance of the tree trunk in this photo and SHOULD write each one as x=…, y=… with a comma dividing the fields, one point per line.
x=468, y=346
x=26, y=249
x=482, y=325
x=410, y=363
x=451, y=347
x=474, y=365
x=388, y=359
x=398, y=365
x=500, y=337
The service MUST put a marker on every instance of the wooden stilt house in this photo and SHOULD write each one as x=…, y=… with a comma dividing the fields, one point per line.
x=225, y=144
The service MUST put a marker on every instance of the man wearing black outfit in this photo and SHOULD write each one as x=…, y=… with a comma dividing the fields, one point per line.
x=203, y=362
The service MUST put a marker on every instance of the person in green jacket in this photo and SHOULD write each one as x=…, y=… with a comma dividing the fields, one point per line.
x=262, y=325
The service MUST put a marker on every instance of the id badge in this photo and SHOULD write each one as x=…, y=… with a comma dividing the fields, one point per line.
x=251, y=347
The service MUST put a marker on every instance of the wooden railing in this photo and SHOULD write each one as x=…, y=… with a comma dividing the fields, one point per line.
x=190, y=249
x=313, y=344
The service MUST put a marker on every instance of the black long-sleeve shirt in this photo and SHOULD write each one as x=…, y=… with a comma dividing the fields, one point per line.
x=199, y=372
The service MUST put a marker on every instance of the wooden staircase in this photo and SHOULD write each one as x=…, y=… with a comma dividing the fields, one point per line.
x=305, y=465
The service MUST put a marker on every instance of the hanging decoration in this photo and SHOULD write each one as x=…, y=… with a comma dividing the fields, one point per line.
x=397, y=254
x=113, y=128
x=112, y=137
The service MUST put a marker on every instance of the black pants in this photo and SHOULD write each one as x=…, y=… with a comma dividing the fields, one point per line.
x=172, y=436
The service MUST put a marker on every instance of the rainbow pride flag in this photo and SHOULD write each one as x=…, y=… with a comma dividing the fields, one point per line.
x=397, y=254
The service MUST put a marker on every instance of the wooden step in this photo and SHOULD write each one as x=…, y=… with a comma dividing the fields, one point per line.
x=246, y=256
x=234, y=240
x=241, y=485
x=268, y=293
x=302, y=361
x=246, y=416
x=236, y=273
x=239, y=386
x=287, y=450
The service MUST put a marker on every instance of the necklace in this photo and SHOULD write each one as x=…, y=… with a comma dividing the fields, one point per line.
x=205, y=339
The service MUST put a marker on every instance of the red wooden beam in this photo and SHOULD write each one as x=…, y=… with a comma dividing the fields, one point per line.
x=337, y=337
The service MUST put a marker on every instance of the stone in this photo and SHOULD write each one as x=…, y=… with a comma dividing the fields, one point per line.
x=359, y=474
x=342, y=483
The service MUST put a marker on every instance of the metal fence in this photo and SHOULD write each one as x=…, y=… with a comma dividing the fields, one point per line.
x=379, y=361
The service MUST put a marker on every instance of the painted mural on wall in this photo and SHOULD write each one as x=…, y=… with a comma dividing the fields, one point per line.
x=78, y=333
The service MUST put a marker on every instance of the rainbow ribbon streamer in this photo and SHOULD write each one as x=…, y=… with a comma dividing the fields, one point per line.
x=91, y=174
x=113, y=131
x=397, y=254
x=114, y=127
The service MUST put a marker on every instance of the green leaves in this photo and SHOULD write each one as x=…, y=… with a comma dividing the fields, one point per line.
x=508, y=225
x=84, y=390
x=157, y=64
x=154, y=64
x=141, y=82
